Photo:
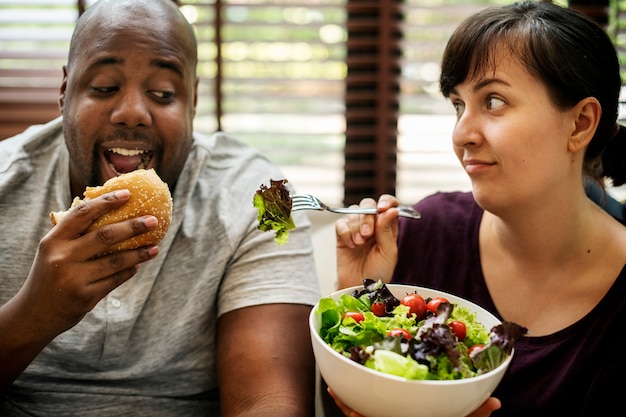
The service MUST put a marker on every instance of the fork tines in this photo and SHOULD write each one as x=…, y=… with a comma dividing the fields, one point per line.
x=300, y=197
x=303, y=202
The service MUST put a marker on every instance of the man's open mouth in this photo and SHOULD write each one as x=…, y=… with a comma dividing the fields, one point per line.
x=122, y=160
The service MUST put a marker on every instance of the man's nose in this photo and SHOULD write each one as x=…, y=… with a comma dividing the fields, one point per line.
x=132, y=110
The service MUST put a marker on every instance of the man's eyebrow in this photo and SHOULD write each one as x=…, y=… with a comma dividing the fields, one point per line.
x=109, y=60
x=158, y=63
x=166, y=64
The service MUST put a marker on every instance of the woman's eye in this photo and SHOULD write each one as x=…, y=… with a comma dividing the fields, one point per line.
x=494, y=103
x=458, y=108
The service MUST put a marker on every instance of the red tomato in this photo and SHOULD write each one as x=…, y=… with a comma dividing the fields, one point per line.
x=400, y=332
x=416, y=304
x=433, y=303
x=358, y=317
x=474, y=348
x=379, y=309
x=459, y=329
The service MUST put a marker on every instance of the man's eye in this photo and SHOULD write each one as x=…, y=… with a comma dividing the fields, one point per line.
x=163, y=95
x=105, y=90
x=494, y=103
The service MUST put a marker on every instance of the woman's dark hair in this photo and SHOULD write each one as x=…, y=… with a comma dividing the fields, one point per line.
x=567, y=51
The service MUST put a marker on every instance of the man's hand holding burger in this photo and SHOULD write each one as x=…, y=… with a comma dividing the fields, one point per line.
x=75, y=267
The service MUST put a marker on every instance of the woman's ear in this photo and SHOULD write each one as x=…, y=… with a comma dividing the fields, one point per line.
x=586, y=116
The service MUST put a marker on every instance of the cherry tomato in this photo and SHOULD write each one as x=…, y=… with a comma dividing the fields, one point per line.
x=416, y=304
x=474, y=349
x=358, y=317
x=459, y=329
x=400, y=333
x=378, y=309
x=433, y=303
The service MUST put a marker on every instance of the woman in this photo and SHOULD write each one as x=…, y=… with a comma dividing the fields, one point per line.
x=535, y=88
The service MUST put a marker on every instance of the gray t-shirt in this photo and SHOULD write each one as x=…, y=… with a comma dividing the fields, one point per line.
x=148, y=348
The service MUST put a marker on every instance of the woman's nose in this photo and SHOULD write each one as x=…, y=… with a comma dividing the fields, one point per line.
x=466, y=131
x=131, y=110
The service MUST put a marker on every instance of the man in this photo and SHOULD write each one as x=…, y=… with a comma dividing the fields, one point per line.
x=213, y=321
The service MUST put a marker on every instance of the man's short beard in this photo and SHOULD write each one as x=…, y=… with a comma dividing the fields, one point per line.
x=94, y=179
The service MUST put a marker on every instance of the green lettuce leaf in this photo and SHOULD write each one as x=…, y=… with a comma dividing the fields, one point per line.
x=274, y=206
x=396, y=364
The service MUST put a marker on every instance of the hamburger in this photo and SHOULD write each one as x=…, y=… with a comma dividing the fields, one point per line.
x=149, y=195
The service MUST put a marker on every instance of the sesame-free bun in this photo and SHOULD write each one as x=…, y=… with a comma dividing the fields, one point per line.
x=149, y=195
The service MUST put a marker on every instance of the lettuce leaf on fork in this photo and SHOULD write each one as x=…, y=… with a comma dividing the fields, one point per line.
x=274, y=205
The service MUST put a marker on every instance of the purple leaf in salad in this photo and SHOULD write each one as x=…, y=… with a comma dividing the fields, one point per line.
x=358, y=354
x=377, y=292
x=435, y=340
x=443, y=313
x=274, y=206
x=503, y=337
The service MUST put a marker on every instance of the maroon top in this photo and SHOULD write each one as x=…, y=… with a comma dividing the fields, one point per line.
x=574, y=372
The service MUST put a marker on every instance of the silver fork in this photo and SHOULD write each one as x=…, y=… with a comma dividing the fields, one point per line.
x=310, y=202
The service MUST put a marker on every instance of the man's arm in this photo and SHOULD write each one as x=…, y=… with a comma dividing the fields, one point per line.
x=265, y=362
x=66, y=281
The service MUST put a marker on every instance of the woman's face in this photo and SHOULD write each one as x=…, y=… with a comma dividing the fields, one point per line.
x=509, y=136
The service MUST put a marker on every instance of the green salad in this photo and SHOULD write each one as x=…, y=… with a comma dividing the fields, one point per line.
x=274, y=210
x=413, y=337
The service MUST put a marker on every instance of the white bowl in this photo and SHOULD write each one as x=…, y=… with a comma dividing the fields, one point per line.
x=376, y=394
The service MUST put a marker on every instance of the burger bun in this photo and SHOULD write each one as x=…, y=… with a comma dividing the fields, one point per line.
x=149, y=195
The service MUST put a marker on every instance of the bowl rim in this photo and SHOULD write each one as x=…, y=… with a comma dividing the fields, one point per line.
x=314, y=330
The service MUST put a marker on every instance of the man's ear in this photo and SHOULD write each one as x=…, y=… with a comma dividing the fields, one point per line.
x=586, y=116
x=195, y=95
x=62, y=89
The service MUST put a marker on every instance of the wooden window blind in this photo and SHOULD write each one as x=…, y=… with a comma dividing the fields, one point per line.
x=272, y=73
x=372, y=97
x=617, y=29
x=34, y=38
x=338, y=93
x=598, y=10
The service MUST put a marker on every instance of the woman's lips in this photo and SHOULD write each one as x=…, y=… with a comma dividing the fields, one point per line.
x=473, y=166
